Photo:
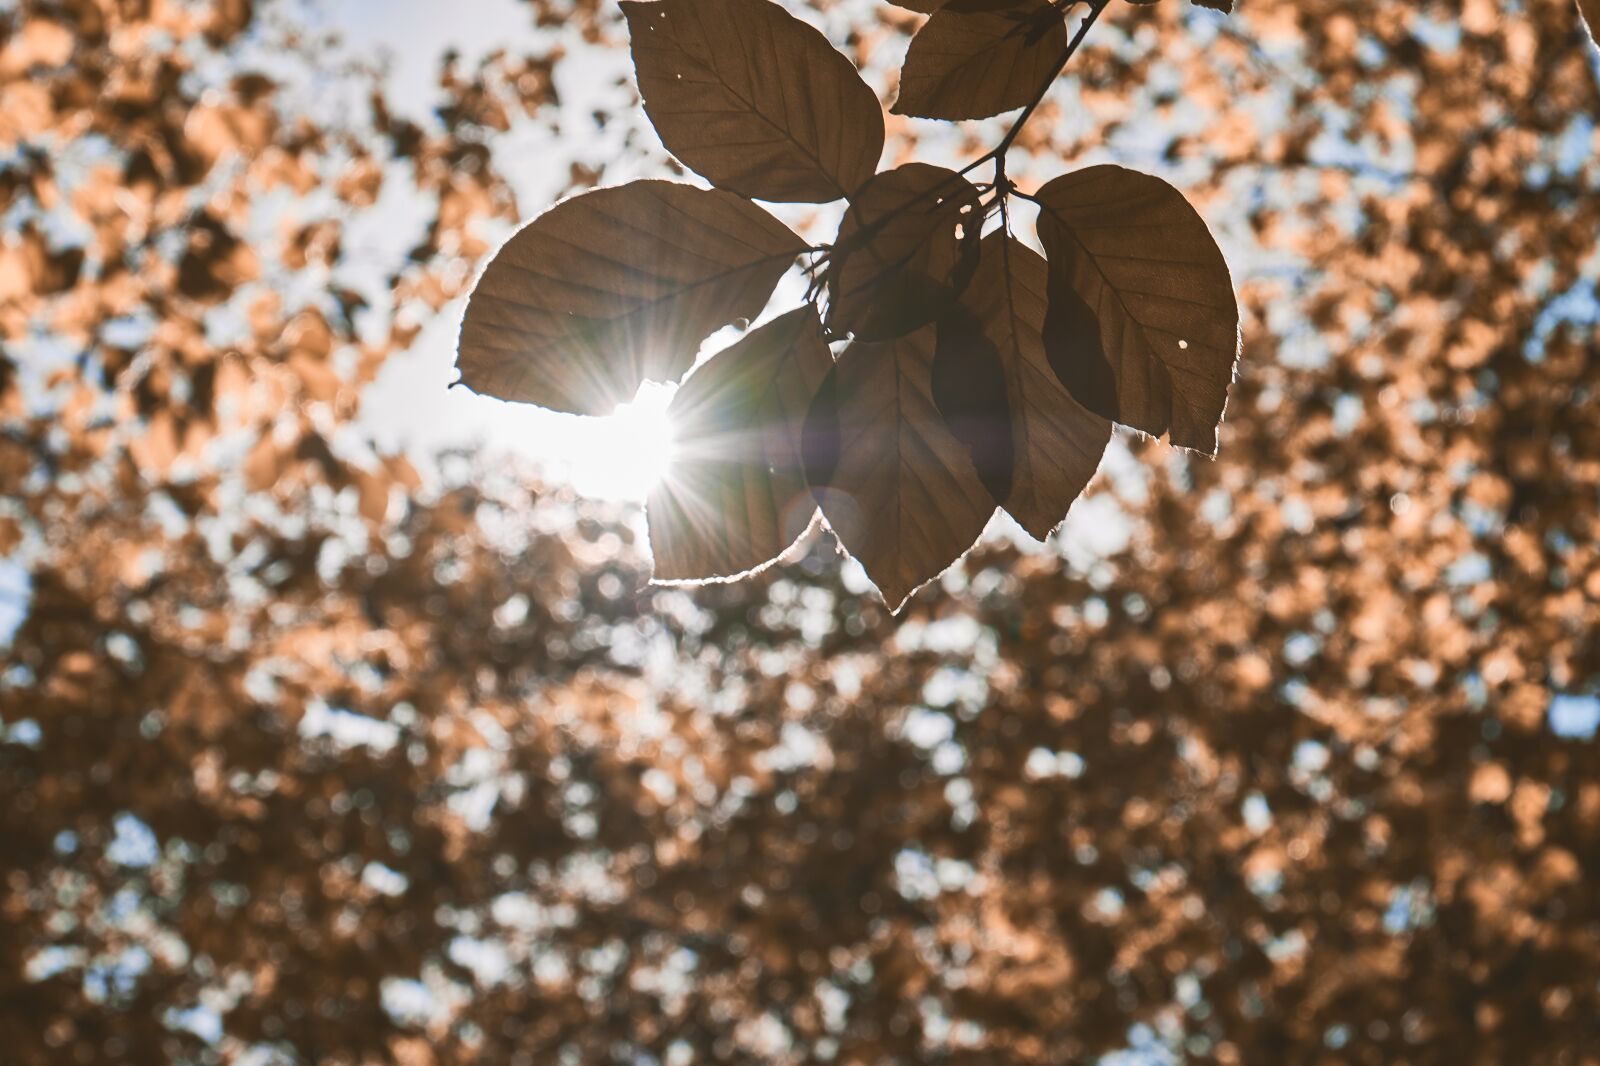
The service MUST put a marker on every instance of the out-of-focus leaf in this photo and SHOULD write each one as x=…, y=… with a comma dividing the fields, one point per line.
x=897, y=262
x=976, y=58
x=896, y=485
x=616, y=286
x=1057, y=442
x=1590, y=10
x=1134, y=264
x=736, y=496
x=754, y=99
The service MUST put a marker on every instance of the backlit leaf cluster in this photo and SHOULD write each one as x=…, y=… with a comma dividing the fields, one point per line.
x=941, y=367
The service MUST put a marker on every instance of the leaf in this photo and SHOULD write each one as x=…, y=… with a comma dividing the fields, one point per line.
x=926, y=7
x=754, y=99
x=615, y=286
x=897, y=487
x=736, y=494
x=1143, y=325
x=969, y=388
x=1225, y=6
x=976, y=58
x=897, y=262
x=1057, y=444
x=1590, y=10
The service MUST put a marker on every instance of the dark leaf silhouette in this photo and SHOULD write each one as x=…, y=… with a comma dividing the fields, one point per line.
x=898, y=488
x=736, y=495
x=976, y=58
x=1057, y=443
x=969, y=388
x=754, y=99
x=1147, y=270
x=1590, y=9
x=926, y=7
x=616, y=286
x=898, y=260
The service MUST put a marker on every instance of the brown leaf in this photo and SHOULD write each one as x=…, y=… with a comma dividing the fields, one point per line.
x=754, y=99
x=736, y=495
x=1143, y=324
x=616, y=286
x=897, y=487
x=969, y=388
x=1590, y=10
x=976, y=58
x=897, y=262
x=1057, y=442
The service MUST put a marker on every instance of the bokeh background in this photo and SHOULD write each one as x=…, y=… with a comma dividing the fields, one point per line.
x=339, y=724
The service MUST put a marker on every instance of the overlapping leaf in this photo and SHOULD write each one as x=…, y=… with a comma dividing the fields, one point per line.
x=897, y=487
x=736, y=496
x=1056, y=442
x=754, y=99
x=1143, y=324
x=969, y=388
x=976, y=58
x=616, y=286
x=898, y=260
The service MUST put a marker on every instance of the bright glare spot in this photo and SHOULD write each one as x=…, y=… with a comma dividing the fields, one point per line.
x=623, y=455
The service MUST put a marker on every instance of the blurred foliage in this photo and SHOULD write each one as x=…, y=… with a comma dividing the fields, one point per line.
x=308, y=756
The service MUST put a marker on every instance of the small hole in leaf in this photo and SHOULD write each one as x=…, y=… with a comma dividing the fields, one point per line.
x=1183, y=344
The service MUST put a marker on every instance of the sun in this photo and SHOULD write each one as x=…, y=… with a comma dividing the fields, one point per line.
x=626, y=454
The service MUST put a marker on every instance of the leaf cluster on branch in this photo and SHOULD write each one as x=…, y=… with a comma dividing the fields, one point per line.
x=940, y=368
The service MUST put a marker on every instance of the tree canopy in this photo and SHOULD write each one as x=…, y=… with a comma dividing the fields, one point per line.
x=315, y=752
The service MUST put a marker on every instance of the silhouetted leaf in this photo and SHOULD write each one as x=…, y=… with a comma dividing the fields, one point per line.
x=615, y=286
x=897, y=487
x=969, y=388
x=897, y=262
x=1128, y=252
x=754, y=99
x=976, y=58
x=736, y=495
x=1590, y=10
x=926, y=7
x=1057, y=442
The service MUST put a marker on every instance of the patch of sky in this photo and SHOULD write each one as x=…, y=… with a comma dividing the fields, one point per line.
x=346, y=728
x=16, y=593
x=1439, y=35
x=202, y=1021
x=133, y=844
x=1473, y=568
x=1257, y=814
x=117, y=976
x=1579, y=306
x=406, y=1000
x=1574, y=717
x=1145, y=1048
